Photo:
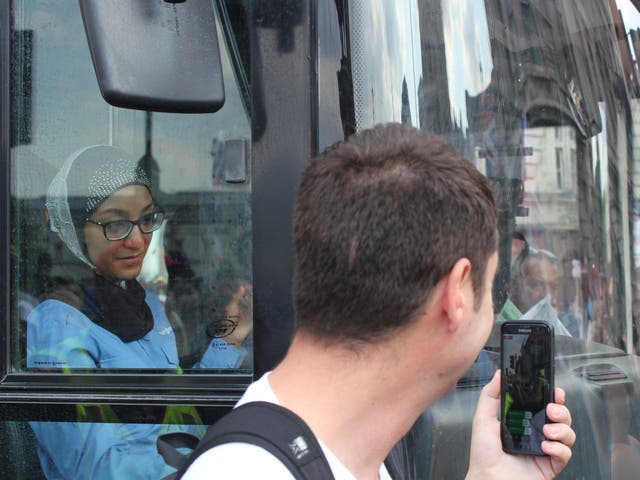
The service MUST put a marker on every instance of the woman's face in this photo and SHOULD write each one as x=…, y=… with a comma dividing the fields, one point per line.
x=120, y=259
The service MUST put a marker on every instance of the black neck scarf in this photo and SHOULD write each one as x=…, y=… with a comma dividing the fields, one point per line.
x=120, y=309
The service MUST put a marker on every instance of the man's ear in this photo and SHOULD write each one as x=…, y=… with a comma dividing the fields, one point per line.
x=458, y=293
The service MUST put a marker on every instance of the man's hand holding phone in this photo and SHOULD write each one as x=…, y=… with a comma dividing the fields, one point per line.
x=489, y=461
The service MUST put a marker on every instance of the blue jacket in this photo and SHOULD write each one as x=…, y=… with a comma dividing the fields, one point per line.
x=61, y=337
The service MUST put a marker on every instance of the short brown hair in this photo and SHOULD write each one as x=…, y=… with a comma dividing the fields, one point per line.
x=379, y=220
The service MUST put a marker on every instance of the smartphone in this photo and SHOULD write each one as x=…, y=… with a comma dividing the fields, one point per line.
x=527, y=364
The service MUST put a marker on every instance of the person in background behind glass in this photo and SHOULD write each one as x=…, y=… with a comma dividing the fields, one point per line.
x=536, y=280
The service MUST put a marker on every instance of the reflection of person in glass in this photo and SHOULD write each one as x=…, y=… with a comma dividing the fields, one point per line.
x=526, y=387
x=536, y=281
x=535, y=275
x=101, y=206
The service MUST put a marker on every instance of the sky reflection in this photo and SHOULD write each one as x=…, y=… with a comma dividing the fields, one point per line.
x=468, y=53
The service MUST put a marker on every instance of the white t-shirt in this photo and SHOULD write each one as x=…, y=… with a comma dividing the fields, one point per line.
x=246, y=461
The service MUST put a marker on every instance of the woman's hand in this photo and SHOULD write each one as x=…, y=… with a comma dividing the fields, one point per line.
x=240, y=311
x=489, y=461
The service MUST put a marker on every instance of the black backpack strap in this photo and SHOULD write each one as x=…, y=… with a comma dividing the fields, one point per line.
x=168, y=445
x=274, y=428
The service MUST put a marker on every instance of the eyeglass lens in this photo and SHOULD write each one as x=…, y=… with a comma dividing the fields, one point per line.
x=122, y=228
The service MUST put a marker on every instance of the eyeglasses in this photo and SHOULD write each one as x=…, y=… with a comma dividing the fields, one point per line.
x=121, y=229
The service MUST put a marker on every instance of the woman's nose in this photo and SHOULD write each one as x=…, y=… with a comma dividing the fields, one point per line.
x=135, y=238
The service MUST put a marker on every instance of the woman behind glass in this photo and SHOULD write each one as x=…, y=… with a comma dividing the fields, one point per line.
x=101, y=206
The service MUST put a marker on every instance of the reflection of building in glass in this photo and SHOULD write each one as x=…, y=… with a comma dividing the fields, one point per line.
x=543, y=109
x=552, y=132
x=635, y=116
x=551, y=186
x=435, y=109
x=405, y=115
x=626, y=45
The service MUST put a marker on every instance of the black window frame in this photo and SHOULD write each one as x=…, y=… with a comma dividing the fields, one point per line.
x=52, y=396
x=55, y=394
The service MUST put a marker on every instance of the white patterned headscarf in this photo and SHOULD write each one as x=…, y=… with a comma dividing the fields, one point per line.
x=87, y=178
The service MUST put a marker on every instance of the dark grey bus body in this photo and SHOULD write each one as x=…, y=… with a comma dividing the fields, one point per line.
x=308, y=74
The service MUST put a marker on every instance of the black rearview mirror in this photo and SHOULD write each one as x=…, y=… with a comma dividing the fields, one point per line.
x=155, y=55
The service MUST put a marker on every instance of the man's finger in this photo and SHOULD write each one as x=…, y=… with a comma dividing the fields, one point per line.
x=559, y=413
x=560, y=454
x=560, y=432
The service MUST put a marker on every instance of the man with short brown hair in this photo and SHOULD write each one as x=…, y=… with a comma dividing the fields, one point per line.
x=395, y=242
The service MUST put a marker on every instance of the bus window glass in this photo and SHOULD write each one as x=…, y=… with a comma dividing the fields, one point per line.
x=130, y=236
x=542, y=97
x=188, y=257
x=521, y=91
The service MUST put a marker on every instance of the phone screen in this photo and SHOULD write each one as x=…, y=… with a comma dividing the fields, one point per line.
x=527, y=384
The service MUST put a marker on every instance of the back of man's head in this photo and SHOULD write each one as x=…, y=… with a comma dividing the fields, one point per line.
x=379, y=220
